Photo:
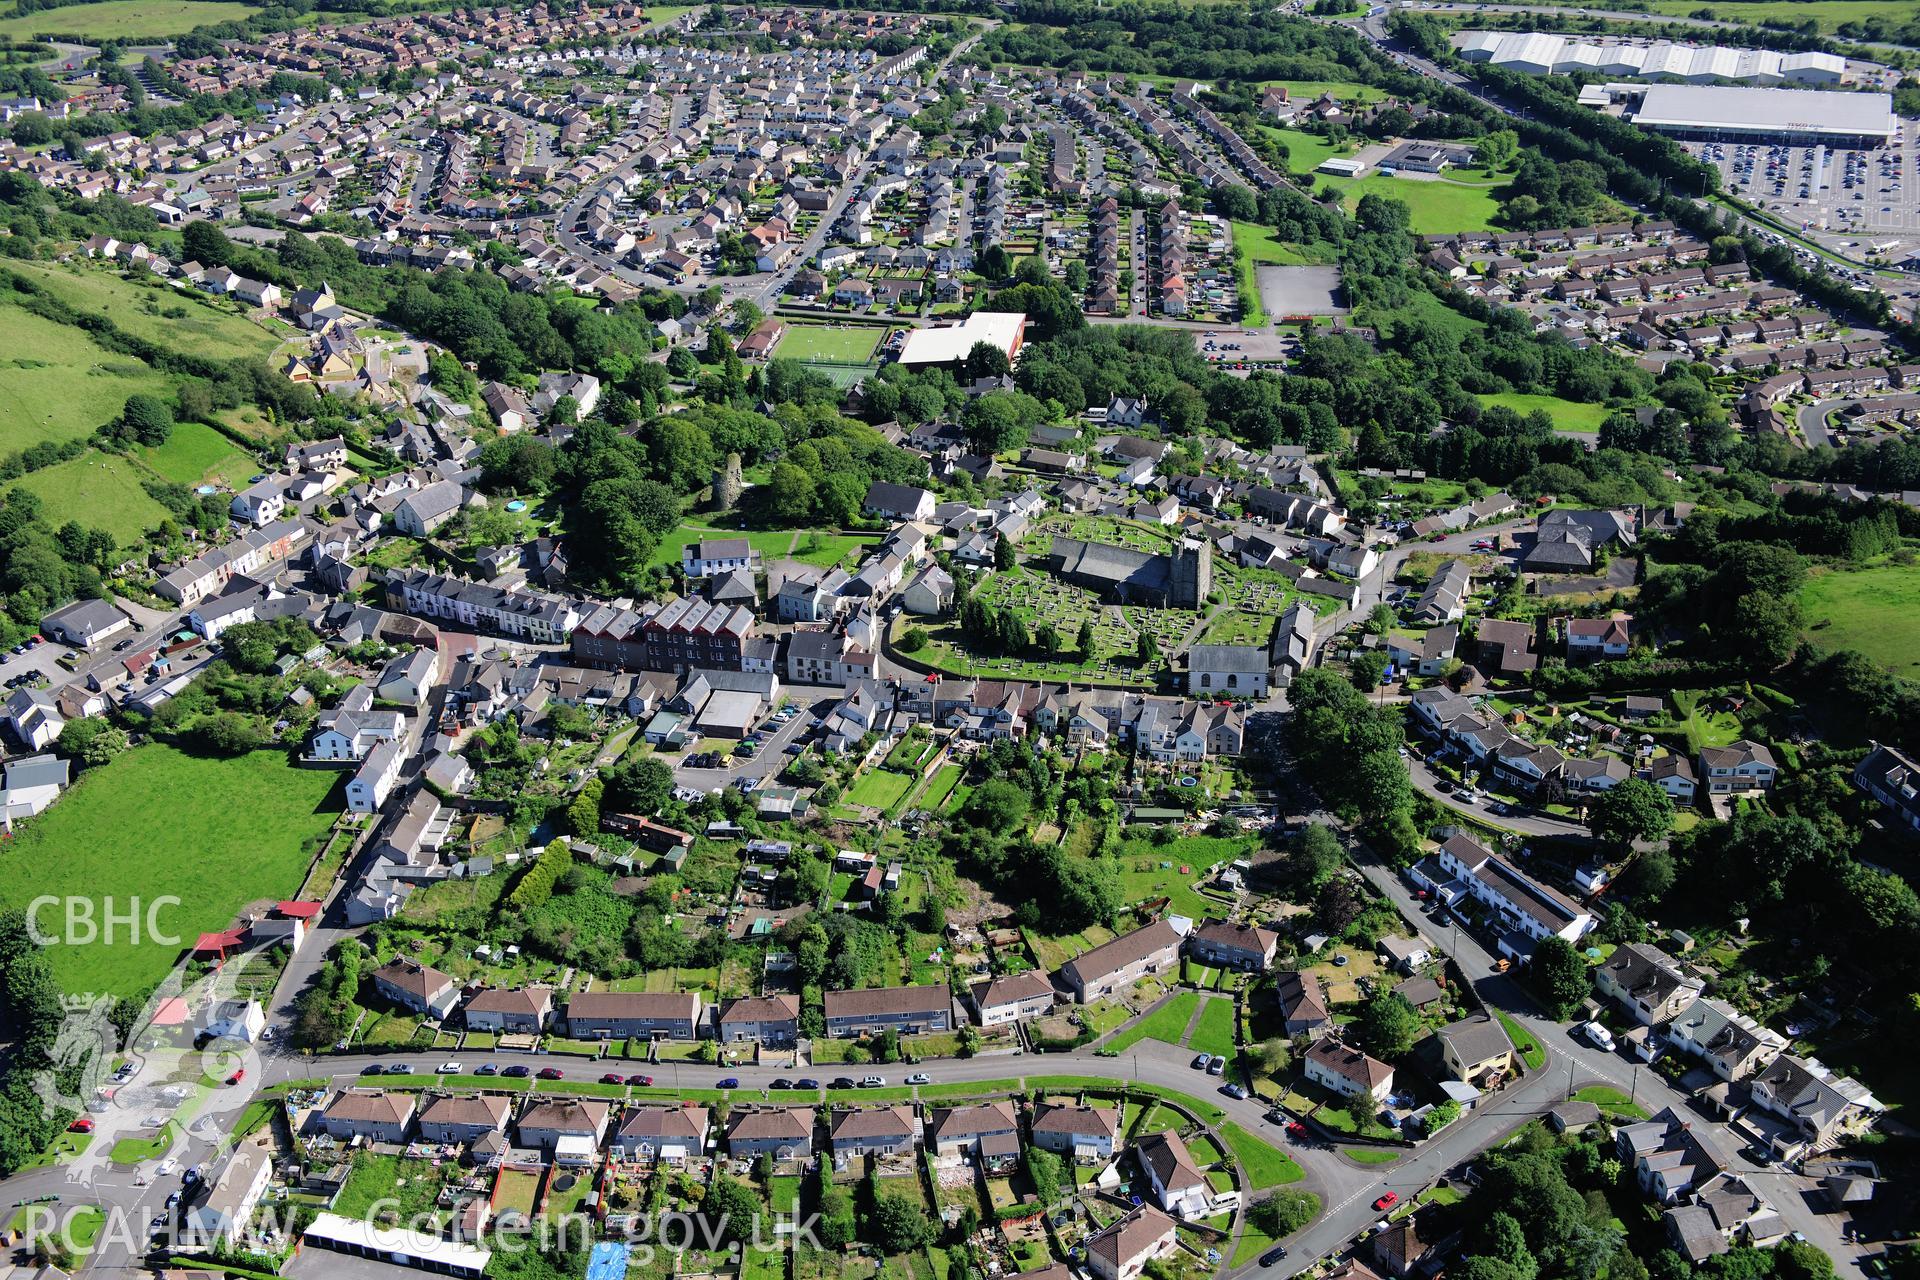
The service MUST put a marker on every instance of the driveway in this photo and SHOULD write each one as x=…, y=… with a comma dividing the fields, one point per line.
x=771, y=758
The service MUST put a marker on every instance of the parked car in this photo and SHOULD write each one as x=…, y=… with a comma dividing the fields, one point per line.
x=517, y=1070
x=1217, y=1067
x=373, y=1069
x=1273, y=1255
x=919, y=1077
x=806, y=1082
x=238, y=1075
x=731, y=1082
x=781, y=1082
x=1201, y=1061
x=487, y=1069
x=642, y=1081
x=399, y=1069
x=83, y=1125
x=1600, y=1036
x=448, y=1068
x=843, y=1082
x=873, y=1082
x=552, y=1073
x=613, y=1077
x=1387, y=1201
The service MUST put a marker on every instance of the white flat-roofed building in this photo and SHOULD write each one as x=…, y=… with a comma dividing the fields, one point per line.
x=396, y=1245
x=1737, y=112
x=951, y=344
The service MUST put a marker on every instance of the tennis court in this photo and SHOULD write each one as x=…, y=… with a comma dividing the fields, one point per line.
x=609, y=1261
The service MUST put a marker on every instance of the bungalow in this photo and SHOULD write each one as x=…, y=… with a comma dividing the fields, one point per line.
x=1347, y=1071
x=85, y=623
x=1739, y=768
x=1178, y=1185
x=959, y=1131
x=510, y=1010
x=873, y=1131
x=768, y=1020
x=419, y=988
x=463, y=1120
x=670, y=1135
x=368, y=1115
x=624, y=1015
x=1013, y=998
x=1123, y=1250
x=1303, y=1010
x=1114, y=965
x=1081, y=1133
x=785, y=1133
x=1244, y=947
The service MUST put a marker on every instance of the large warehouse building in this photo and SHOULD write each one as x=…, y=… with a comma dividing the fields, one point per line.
x=1798, y=117
x=1542, y=53
x=949, y=344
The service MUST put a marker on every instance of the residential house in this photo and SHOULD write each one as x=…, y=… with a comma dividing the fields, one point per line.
x=1475, y=1050
x=957, y=1131
x=458, y=1121
x=907, y=1010
x=1347, y=1071
x=898, y=502
x=1123, y=1250
x=1012, y=998
x=1113, y=966
x=569, y=1129
x=417, y=987
x=1303, y=1009
x=1732, y=1045
x=1891, y=777
x=368, y=1115
x=260, y=503
x=1820, y=1105
x=1177, y=1182
x=1592, y=638
x=625, y=1015
x=769, y=1020
x=1082, y=1133
x=1647, y=982
x=1244, y=947
x=408, y=677
x=234, y=1194
x=872, y=1131
x=1738, y=768
x=785, y=1133
x=667, y=1135
x=1669, y=1158
x=374, y=780
x=510, y=1010
x=1239, y=669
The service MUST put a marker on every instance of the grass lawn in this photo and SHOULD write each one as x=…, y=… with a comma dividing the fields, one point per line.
x=1305, y=151
x=217, y=834
x=1567, y=415
x=1876, y=611
x=136, y=1150
x=826, y=550
x=1371, y=1155
x=197, y=454
x=661, y=14
x=1530, y=1051
x=1616, y=1104
x=880, y=789
x=151, y=310
x=1154, y=870
x=1260, y=244
x=1214, y=1034
x=57, y=383
x=1437, y=206
x=940, y=786
x=1167, y=1023
x=1308, y=90
x=1828, y=13
x=101, y=491
x=1264, y=1164
x=127, y=19
x=850, y=344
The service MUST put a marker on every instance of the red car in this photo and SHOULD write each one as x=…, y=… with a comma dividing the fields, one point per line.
x=613, y=1077
x=1296, y=1130
x=83, y=1125
x=552, y=1073
x=237, y=1076
x=640, y=1080
x=1387, y=1201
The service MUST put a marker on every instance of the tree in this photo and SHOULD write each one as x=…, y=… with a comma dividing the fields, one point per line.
x=790, y=493
x=1387, y=1025
x=732, y=1209
x=998, y=805
x=230, y=733
x=92, y=741
x=1083, y=641
x=638, y=786
x=1147, y=649
x=1368, y=670
x=1283, y=1213
x=1498, y=150
x=985, y=360
x=1047, y=639
x=1634, y=810
x=1234, y=201
x=1560, y=976
x=1649, y=876
x=147, y=418
x=583, y=815
x=1043, y=1170
x=1315, y=859
x=835, y=1229
x=1002, y=552
x=1271, y=1056
x=898, y=1225
x=913, y=640
x=206, y=244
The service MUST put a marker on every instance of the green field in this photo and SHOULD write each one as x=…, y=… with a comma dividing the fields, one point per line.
x=1437, y=205
x=1530, y=1051
x=1168, y=1023
x=101, y=491
x=1265, y=1165
x=1828, y=13
x=1308, y=90
x=126, y=19
x=1305, y=151
x=150, y=309
x=848, y=344
x=56, y=383
x=216, y=834
x=1568, y=415
x=197, y=454
x=1876, y=611
x=1214, y=1034
x=880, y=789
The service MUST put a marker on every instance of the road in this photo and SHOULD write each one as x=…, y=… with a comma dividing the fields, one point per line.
x=1526, y=823
x=1812, y=420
